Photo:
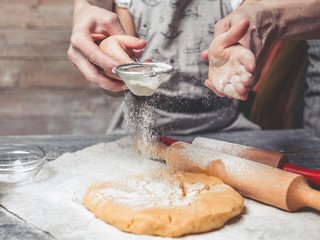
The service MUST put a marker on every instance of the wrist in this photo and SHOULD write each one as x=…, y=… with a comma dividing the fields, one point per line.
x=79, y=5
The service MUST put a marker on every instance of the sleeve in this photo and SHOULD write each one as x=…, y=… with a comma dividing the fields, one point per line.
x=312, y=95
x=236, y=3
x=123, y=3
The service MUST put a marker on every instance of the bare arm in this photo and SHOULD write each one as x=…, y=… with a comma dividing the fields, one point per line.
x=126, y=20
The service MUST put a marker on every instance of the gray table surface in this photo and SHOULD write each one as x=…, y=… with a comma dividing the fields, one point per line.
x=302, y=149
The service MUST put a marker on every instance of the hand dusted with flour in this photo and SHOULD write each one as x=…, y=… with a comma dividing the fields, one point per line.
x=231, y=65
x=164, y=202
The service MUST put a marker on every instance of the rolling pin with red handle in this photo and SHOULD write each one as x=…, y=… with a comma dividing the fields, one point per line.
x=254, y=154
x=285, y=190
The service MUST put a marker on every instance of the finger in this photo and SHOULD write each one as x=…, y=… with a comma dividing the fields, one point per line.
x=247, y=59
x=131, y=46
x=244, y=97
x=246, y=79
x=116, y=50
x=131, y=42
x=94, y=76
x=137, y=53
x=204, y=55
x=232, y=36
x=122, y=47
x=110, y=84
x=109, y=75
x=238, y=85
x=84, y=43
x=231, y=92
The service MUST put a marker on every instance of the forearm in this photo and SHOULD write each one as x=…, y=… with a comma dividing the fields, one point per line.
x=295, y=19
x=249, y=1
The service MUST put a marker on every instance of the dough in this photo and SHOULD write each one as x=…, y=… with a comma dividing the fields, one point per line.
x=164, y=202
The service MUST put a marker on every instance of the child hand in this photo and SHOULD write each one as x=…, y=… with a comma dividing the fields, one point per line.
x=231, y=65
x=121, y=48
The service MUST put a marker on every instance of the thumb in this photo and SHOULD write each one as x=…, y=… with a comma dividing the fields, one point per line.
x=205, y=55
x=120, y=47
x=234, y=34
x=130, y=42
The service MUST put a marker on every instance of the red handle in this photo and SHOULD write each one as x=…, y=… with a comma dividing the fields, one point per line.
x=167, y=141
x=313, y=176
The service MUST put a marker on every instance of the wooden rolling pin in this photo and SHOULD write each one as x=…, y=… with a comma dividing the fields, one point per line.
x=285, y=190
x=254, y=154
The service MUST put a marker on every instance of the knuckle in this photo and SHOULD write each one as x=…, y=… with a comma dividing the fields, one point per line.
x=219, y=27
x=75, y=39
x=112, y=17
x=219, y=51
x=216, y=55
x=91, y=77
x=70, y=53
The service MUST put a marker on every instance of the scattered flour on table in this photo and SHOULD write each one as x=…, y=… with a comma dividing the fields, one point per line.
x=221, y=146
x=51, y=201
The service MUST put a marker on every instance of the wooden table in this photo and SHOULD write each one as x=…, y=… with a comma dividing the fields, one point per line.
x=302, y=149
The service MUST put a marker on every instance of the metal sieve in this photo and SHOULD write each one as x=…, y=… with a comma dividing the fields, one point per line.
x=143, y=79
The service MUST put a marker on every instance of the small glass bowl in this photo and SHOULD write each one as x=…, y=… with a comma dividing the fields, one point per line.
x=143, y=79
x=20, y=162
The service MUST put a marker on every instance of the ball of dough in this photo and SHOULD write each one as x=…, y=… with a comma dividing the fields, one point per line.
x=164, y=202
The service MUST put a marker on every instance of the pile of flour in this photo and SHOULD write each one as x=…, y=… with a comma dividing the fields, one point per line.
x=153, y=189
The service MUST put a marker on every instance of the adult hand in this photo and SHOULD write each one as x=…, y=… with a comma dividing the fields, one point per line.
x=91, y=25
x=260, y=35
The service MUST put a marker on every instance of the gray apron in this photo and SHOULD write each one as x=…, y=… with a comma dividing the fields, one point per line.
x=177, y=31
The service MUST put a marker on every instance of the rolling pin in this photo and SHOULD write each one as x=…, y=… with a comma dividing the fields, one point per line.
x=282, y=189
x=273, y=159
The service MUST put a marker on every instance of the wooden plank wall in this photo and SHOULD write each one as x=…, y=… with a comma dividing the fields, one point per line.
x=41, y=92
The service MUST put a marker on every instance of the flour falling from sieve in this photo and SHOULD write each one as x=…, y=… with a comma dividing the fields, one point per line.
x=154, y=189
x=139, y=119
